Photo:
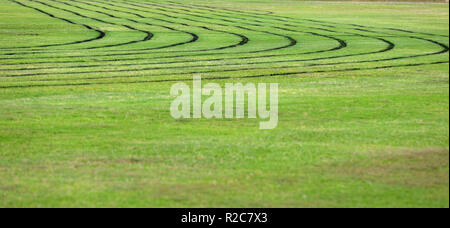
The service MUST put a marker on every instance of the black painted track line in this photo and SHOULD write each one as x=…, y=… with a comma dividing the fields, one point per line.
x=445, y=49
x=391, y=46
x=225, y=78
x=342, y=44
x=193, y=39
x=148, y=34
x=292, y=41
x=244, y=40
x=278, y=17
x=100, y=35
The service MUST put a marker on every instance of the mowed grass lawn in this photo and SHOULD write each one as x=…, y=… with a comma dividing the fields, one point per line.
x=87, y=124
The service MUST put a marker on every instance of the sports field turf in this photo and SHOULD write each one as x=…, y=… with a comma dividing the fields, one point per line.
x=85, y=97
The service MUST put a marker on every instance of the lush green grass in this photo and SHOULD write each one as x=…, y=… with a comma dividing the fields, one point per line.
x=79, y=129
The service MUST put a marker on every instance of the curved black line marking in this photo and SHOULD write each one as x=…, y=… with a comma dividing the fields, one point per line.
x=101, y=34
x=442, y=45
x=193, y=39
x=372, y=27
x=389, y=48
x=292, y=41
x=244, y=40
x=240, y=58
x=224, y=78
x=380, y=60
x=194, y=36
x=356, y=25
x=342, y=44
x=443, y=51
x=291, y=44
x=217, y=71
x=183, y=8
x=149, y=35
x=277, y=17
x=407, y=31
x=147, y=38
x=221, y=8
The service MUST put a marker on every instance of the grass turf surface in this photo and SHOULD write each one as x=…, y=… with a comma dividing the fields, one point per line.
x=84, y=104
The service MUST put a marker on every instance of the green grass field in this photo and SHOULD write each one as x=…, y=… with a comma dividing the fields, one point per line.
x=85, y=97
